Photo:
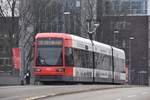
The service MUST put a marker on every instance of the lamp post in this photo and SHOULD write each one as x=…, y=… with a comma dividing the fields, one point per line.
x=90, y=33
x=116, y=38
x=67, y=21
x=130, y=58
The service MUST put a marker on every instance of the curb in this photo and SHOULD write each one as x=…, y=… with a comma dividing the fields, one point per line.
x=73, y=92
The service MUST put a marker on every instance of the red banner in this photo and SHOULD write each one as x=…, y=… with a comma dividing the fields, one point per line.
x=16, y=58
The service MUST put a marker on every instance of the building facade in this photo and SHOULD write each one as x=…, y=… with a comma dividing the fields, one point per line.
x=5, y=29
x=125, y=24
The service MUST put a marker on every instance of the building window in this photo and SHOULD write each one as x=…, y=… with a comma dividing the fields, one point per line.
x=1, y=48
x=8, y=61
x=108, y=7
x=149, y=62
x=139, y=7
x=1, y=61
x=149, y=44
x=124, y=7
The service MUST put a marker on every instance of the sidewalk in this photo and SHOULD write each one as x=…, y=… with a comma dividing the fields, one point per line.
x=7, y=79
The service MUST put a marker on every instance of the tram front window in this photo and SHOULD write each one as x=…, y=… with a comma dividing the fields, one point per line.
x=49, y=56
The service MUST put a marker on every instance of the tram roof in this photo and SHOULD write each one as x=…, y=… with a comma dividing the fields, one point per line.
x=119, y=53
x=57, y=35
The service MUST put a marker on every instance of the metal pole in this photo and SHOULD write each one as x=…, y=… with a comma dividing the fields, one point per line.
x=67, y=22
x=130, y=59
x=93, y=60
x=91, y=38
x=129, y=62
x=116, y=38
x=93, y=55
x=90, y=33
x=22, y=65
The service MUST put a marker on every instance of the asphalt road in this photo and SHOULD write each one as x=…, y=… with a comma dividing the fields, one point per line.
x=32, y=92
x=139, y=93
x=74, y=92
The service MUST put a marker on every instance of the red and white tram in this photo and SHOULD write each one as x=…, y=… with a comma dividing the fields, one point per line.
x=60, y=57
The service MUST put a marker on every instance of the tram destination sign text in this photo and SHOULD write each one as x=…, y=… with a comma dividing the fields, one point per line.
x=50, y=42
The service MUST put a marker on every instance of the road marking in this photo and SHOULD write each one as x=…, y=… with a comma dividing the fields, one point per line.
x=118, y=99
x=52, y=94
x=130, y=96
x=144, y=93
x=36, y=97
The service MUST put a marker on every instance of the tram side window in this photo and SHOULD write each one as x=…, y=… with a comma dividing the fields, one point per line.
x=89, y=59
x=98, y=61
x=69, y=57
x=77, y=58
x=122, y=65
x=119, y=64
x=116, y=64
x=103, y=61
x=86, y=59
x=107, y=62
x=82, y=58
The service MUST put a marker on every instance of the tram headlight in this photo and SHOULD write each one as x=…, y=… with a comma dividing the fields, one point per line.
x=60, y=70
x=37, y=70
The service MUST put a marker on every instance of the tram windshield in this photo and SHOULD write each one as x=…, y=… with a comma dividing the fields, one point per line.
x=49, y=54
